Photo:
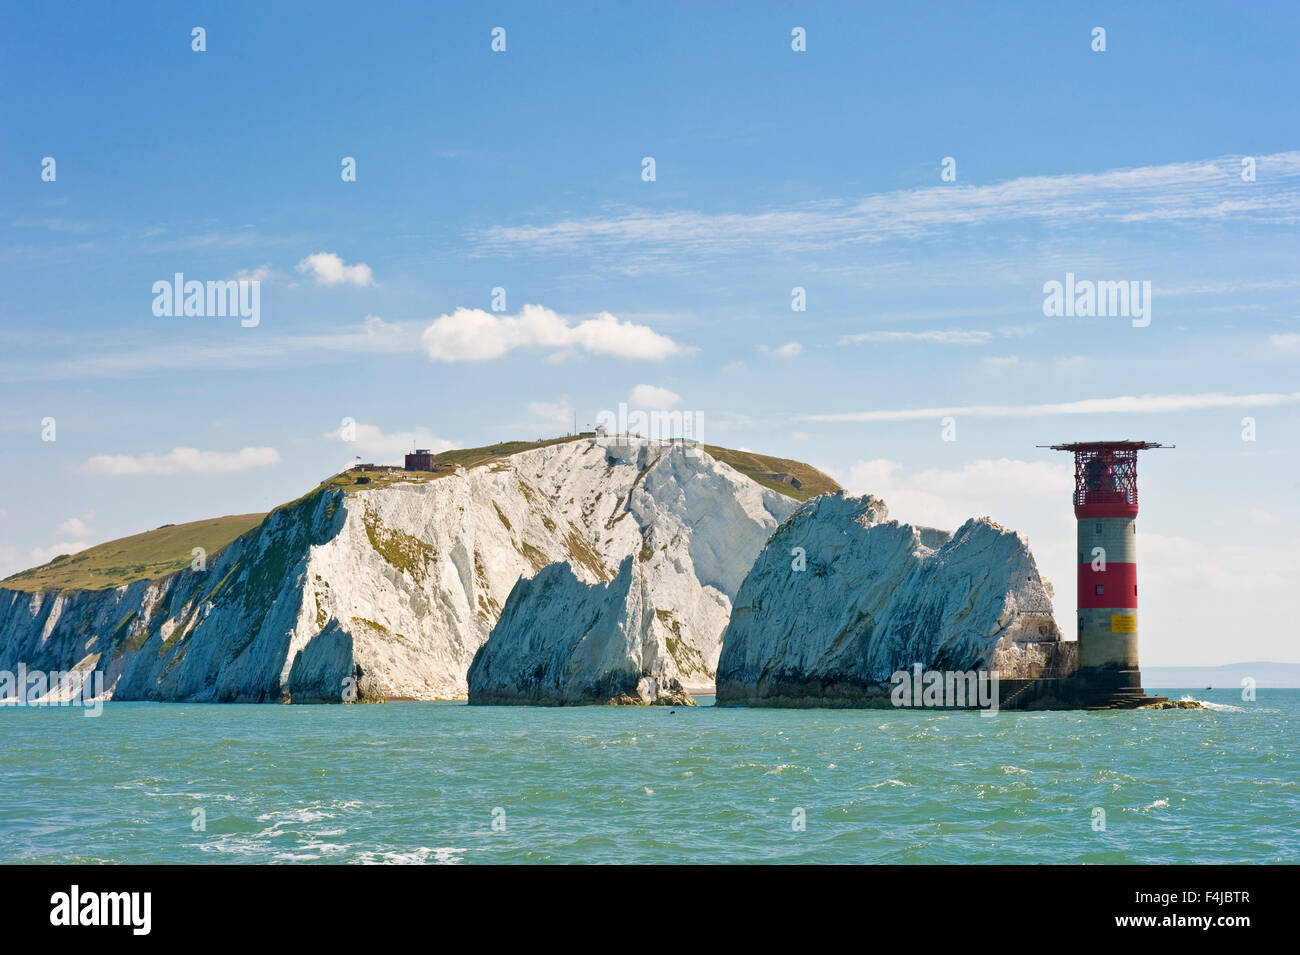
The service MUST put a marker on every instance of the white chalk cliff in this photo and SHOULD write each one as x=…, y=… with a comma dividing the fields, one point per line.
x=841, y=598
x=563, y=642
x=388, y=592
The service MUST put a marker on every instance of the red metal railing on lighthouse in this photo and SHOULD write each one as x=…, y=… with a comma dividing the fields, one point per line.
x=1105, y=476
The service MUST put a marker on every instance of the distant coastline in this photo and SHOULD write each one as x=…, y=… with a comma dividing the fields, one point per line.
x=1265, y=675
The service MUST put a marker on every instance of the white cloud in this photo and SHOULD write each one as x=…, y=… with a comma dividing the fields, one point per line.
x=372, y=442
x=788, y=350
x=953, y=336
x=601, y=335
x=328, y=269
x=1262, y=518
x=737, y=421
x=476, y=335
x=15, y=559
x=1017, y=331
x=74, y=527
x=653, y=397
x=376, y=335
x=1243, y=571
x=551, y=412
x=1140, y=404
x=43, y=555
x=262, y=273
x=181, y=461
x=1193, y=586
x=946, y=497
x=1032, y=497
x=1287, y=340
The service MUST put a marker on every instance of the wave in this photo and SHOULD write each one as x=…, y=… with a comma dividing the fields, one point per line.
x=1218, y=707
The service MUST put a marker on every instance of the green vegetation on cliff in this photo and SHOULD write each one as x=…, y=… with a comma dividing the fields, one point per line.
x=143, y=556
x=168, y=549
x=775, y=473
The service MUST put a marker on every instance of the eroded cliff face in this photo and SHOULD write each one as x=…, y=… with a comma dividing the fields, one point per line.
x=228, y=633
x=564, y=642
x=841, y=598
x=389, y=592
x=384, y=593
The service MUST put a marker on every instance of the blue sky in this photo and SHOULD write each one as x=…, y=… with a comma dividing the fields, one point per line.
x=774, y=169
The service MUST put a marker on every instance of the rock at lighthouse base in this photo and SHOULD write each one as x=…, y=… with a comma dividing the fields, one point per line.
x=841, y=598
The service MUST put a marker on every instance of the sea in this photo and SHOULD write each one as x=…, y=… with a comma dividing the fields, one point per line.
x=450, y=783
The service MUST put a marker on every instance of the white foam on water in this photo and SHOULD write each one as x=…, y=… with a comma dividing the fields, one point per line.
x=1217, y=707
x=421, y=855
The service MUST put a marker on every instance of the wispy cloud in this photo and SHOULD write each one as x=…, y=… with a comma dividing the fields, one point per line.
x=1209, y=189
x=158, y=239
x=54, y=224
x=559, y=411
x=653, y=397
x=37, y=556
x=371, y=441
x=181, y=461
x=954, y=336
x=1227, y=288
x=373, y=335
x=464, y=335
x=263, y=273
x=1140, y=404
x=999, y=366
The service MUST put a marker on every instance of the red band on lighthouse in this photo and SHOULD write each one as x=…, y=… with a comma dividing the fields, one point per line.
x=1116, y=586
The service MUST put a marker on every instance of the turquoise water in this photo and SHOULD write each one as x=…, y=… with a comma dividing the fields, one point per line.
x=419, y=782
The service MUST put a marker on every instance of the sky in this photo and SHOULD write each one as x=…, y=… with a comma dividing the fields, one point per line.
x=920, y=172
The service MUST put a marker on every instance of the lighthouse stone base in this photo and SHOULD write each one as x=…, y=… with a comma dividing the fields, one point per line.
x=1092, y=688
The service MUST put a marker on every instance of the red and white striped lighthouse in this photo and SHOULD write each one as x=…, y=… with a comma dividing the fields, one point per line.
x=1106, y=506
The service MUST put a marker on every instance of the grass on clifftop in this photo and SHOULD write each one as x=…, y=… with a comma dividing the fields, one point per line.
x=353, y=480
x=770, y=472
x=143, y=556
x=773, y=473
x=477, y=457
x=169, y=548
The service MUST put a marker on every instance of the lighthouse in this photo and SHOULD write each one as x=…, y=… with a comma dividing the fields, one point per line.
x=1106, y=508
